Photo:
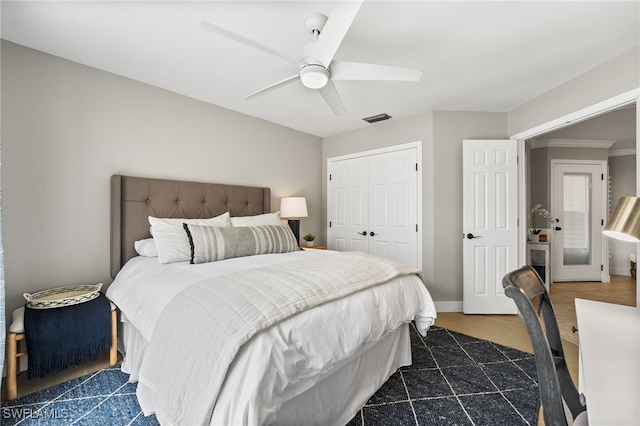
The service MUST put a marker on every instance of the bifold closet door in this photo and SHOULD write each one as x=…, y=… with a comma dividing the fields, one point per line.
x=374, y=205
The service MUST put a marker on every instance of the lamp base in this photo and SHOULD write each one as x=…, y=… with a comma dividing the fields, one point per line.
x=294, y=224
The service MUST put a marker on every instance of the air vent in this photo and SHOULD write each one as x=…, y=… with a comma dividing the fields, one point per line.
x=379, y=117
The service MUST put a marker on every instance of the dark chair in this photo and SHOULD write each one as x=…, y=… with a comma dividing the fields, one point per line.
x=527, y=290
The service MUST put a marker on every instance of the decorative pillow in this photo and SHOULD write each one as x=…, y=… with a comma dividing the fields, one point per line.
x=171, y=240
x=209, y=243
x=258, y=220
x=146, y=247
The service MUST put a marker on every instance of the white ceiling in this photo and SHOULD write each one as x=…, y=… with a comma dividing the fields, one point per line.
x=475, y=56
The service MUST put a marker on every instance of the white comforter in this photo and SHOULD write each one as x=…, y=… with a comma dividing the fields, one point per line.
x=339, y=329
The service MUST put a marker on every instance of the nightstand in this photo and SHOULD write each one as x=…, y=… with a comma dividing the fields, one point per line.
x=313, y=247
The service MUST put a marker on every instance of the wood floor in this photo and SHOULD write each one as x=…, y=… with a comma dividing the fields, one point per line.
x=508, y=330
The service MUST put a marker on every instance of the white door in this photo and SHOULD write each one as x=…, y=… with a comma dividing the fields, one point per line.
x=577, y=201
x=373, y=205
x=490, y=224
x=349, y=198
x=393, y=206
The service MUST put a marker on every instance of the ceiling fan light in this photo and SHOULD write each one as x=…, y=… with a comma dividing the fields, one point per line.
x=314, y=76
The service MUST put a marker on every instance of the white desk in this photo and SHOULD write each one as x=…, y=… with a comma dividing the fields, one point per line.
x=610, y=362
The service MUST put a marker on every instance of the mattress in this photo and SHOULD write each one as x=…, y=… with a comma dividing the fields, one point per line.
x=289, y=361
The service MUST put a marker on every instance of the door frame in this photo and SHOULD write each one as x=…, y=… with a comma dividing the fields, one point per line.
x=392, y=148
x=604, y=202
x=627, y=98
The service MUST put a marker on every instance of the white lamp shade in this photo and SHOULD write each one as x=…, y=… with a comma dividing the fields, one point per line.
x=624, y=223
x=293, y=207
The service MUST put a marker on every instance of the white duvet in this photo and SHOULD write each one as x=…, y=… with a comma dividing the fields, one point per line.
x=284, y=360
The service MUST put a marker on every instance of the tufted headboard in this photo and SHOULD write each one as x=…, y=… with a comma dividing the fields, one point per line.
x=134, y=199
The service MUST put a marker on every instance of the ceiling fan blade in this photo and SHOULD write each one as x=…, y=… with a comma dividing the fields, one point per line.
x=247, y=41
x=330, y=95
x=274, y=86
x=334, y=31
x=343, y=70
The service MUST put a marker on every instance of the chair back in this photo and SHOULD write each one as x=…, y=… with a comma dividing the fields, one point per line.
x=527, y=290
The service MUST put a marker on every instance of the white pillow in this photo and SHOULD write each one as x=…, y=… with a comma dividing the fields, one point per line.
x=146, y=247
x=171, y=239
x=258, y=220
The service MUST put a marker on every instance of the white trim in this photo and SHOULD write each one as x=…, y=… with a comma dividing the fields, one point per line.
x=523, y=209
x=453, y=306
x=599, y=108
x=569, y=143
x=620, y=271
x=417, y=145
x=384, y=150
x=622, y=152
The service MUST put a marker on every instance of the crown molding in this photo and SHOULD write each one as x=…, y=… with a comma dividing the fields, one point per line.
x=622, y=152
x=569, y=143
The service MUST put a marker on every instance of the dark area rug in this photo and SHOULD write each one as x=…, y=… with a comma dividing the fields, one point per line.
x=454, y=380
x=457, y=379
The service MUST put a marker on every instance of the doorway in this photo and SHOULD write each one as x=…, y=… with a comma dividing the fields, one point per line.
x=620, y=158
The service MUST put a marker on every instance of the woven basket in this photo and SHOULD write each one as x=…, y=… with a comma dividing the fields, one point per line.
x=62, y=296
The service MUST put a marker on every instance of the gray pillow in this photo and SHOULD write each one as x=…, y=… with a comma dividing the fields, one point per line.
x=210, y=243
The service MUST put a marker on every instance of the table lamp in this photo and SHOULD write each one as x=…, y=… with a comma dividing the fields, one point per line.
x=293, y=208
x=624, y=223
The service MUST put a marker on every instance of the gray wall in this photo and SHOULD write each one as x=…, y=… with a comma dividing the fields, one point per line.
x=66, y=128
x=441, y=133
x=606, y=81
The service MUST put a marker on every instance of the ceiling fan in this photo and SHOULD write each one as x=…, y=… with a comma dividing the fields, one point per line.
x=317, y=69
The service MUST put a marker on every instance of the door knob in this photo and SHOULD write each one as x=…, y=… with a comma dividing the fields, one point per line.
x=372, y=233
x=363, y=233
x=557, y=228
x=471, y=236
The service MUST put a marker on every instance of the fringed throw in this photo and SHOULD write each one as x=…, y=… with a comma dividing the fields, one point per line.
x=58, y=338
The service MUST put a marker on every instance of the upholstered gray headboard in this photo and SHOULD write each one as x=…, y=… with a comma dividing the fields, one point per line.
x=134, y=199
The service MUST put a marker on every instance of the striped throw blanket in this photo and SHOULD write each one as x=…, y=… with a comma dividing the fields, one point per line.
x=202, y=328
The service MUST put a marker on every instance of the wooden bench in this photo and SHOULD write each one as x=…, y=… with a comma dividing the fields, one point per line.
x=16, y=334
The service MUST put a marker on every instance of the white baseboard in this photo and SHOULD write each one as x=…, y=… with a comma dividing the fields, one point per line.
x=454, y=306
x=619, y=271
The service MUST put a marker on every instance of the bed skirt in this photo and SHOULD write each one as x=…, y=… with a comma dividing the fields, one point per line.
x=328, y=399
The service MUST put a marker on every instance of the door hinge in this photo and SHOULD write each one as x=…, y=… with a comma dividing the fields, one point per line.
x=416, y=227
x=602, y=267
x=329, y=224
x=602, y=176
x=329, y=176
x=602, y=222
x=416, y=167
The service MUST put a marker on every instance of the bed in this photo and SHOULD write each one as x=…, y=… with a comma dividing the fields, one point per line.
x=318, y=365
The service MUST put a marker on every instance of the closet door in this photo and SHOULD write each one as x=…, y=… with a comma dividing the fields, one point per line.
x=349, y=194
x=393, y=206
x=374, y=205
